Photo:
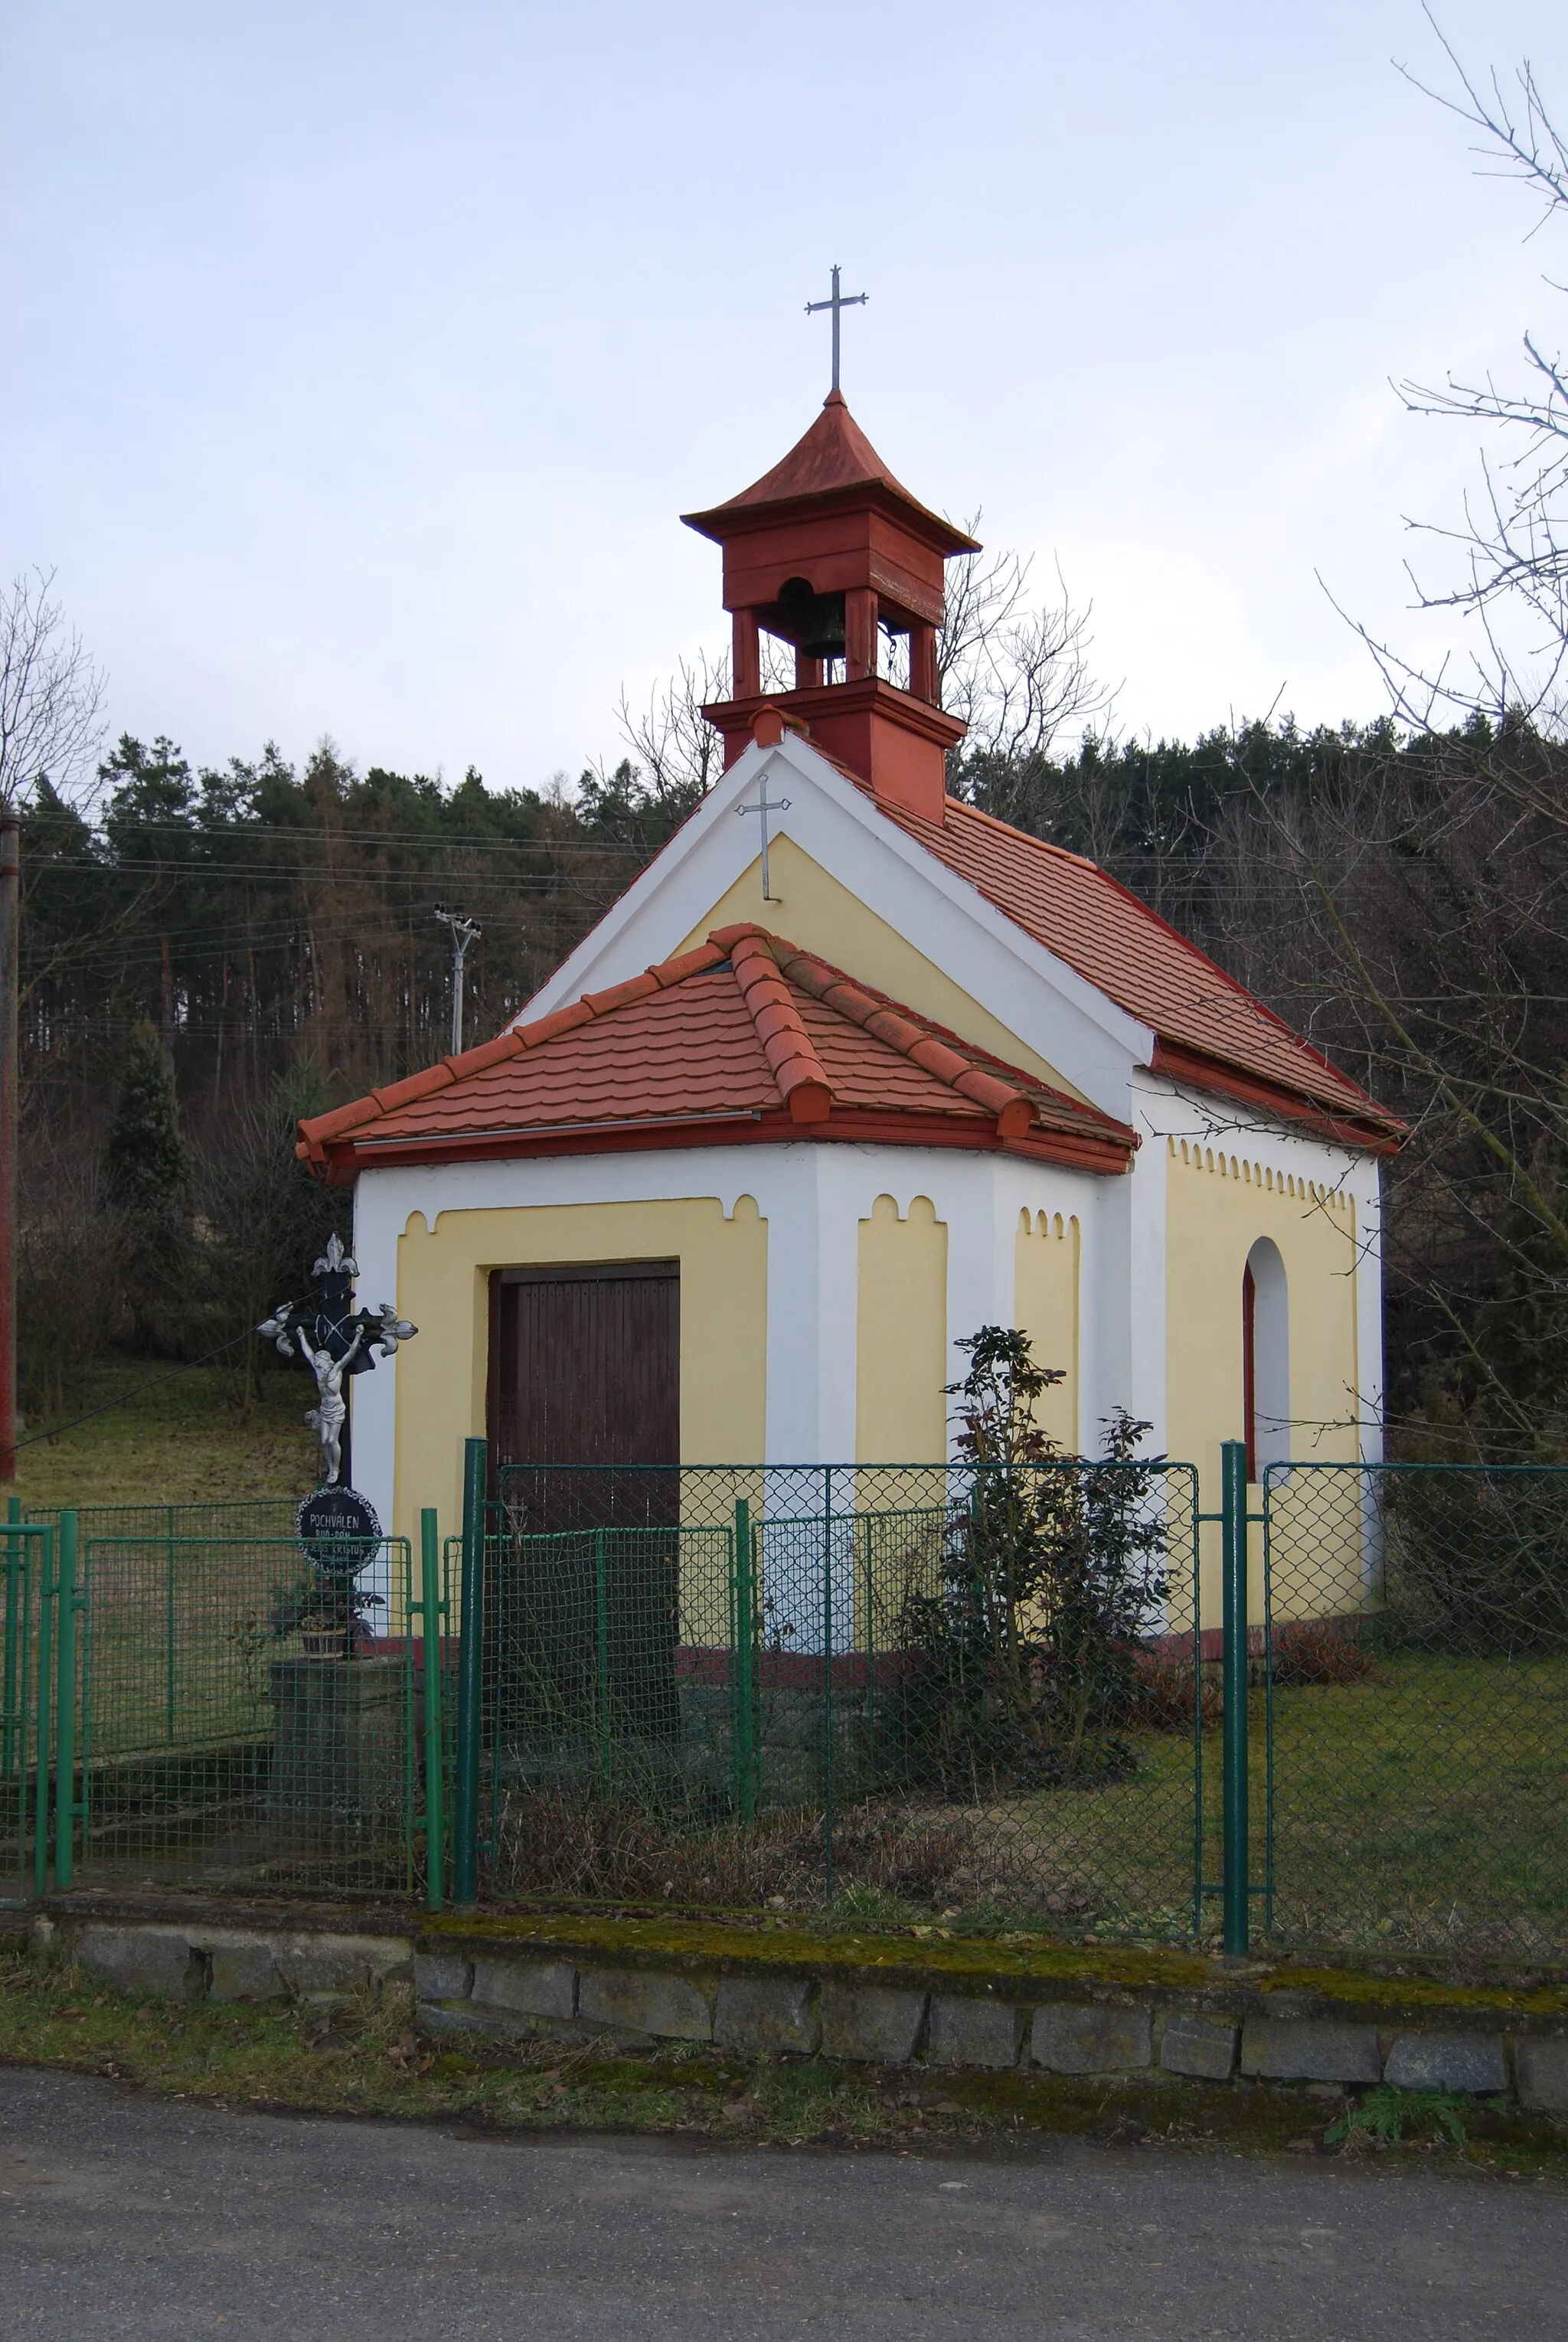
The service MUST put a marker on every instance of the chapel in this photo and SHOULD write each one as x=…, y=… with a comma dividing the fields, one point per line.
x=850, y=1070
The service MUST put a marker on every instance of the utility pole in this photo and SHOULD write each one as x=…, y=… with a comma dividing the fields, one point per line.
x=463, y=933
x=10, y=919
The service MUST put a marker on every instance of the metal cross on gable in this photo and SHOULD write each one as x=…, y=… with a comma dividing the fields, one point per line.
x=836, y=301
x=764, y=806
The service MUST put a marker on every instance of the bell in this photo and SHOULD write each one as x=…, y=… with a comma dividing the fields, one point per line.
x=814, y=623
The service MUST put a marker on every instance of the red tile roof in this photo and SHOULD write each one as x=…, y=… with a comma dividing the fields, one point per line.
x=834, y=456
x=1212, y=1032
x=743, y=1038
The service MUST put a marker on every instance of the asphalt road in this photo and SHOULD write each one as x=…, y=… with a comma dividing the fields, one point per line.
x=144, y=2218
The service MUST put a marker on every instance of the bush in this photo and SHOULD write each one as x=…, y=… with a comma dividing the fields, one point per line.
x=621, y=1848
x=1024, y=1664
x=1163, y=1693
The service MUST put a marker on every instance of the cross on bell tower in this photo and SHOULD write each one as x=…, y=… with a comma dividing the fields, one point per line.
x=837, y=301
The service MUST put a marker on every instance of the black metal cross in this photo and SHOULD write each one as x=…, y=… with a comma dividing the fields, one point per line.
x=836, y=301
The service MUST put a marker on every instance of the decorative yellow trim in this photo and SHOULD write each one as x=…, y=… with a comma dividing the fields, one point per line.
x=901, y=1349
x=443, y=1285
x=1268, y=1176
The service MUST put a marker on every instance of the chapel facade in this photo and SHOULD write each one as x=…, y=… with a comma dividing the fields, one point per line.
x=850, y=1070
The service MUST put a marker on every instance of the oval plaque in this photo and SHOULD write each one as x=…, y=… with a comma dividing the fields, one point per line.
x=339, y=1530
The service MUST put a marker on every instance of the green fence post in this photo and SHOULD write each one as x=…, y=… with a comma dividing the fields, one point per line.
x=169, y=1624
x=14, y=1691
x=66, y=1705
x=47, y=1588
x=431, y=1609
x=744, y=1721
x=829, y=1881
x=602, y=1634
x=470, y=1674
x=1237, y=1869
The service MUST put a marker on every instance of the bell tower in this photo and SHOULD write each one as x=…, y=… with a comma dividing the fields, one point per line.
x=829, y=554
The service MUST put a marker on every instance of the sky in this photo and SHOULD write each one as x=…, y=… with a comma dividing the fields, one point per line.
x=361, y=358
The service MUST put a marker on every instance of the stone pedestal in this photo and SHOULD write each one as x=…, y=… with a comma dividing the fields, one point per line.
x=337, y=1784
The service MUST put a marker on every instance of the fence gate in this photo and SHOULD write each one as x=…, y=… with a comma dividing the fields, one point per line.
x=32, y=1668
x=206, y=1729
x=745, y=1685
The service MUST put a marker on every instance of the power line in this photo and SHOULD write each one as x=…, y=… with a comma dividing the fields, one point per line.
x=432, y=840
x=111, y=1406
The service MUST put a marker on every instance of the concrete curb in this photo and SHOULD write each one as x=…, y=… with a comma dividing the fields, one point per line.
x=871, y=2000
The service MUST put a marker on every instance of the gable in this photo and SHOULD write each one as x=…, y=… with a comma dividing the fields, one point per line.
x=1033, y=1007
x=821, y=915
x=982, y=928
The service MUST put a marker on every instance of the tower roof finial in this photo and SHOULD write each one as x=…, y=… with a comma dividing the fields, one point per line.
x=836, y=300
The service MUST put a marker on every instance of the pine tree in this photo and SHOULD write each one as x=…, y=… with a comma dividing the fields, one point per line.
x=145, y=1165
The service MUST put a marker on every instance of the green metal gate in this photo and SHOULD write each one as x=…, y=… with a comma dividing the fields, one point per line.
x=38, y=1698
x=167, y=1719
x=753, y=1685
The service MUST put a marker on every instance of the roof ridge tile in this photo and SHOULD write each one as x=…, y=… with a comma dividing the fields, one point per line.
x=897, y=1030
x=791, y=1056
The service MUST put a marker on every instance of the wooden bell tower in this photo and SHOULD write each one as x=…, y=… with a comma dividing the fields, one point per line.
x=828, y=553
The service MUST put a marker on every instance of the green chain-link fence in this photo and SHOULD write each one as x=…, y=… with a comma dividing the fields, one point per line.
x=199, y=1732
x=933, y=1684
x=1414, y=1742
x=215, y=1744
x=990, y=1698
x=243, y=1517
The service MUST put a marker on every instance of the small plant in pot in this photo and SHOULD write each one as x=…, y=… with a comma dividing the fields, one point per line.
x=323, y=1637
x=327, y=1612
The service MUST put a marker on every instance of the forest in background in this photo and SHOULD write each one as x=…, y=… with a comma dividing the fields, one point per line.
x=208, y=955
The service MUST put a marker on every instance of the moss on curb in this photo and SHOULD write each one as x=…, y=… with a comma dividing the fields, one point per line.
x=1028, y=1966
x=924, y=1954
x=361, y=2055
x=786, y=1947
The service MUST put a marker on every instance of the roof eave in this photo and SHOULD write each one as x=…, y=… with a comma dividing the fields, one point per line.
x=1374, y=1131
x=1104, y=1155
x=720, y=523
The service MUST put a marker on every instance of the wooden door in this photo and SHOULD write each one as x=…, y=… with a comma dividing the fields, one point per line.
x=585, y=1373
x=585, y=1365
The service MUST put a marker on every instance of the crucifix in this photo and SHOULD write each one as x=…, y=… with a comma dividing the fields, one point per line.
x=765, y=806
x=836, y=301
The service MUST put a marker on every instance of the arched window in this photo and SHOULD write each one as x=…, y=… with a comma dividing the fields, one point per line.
x=1266, y=1358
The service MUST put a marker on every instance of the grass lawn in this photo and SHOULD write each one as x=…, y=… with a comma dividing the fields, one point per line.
x=340, y=2055
x=1422, y=1809
x=1424, y=1806
x=183, y=1442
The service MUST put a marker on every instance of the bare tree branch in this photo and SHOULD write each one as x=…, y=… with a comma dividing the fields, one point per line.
x=1018, y=672
x=51, y=693
x=1512, y=542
